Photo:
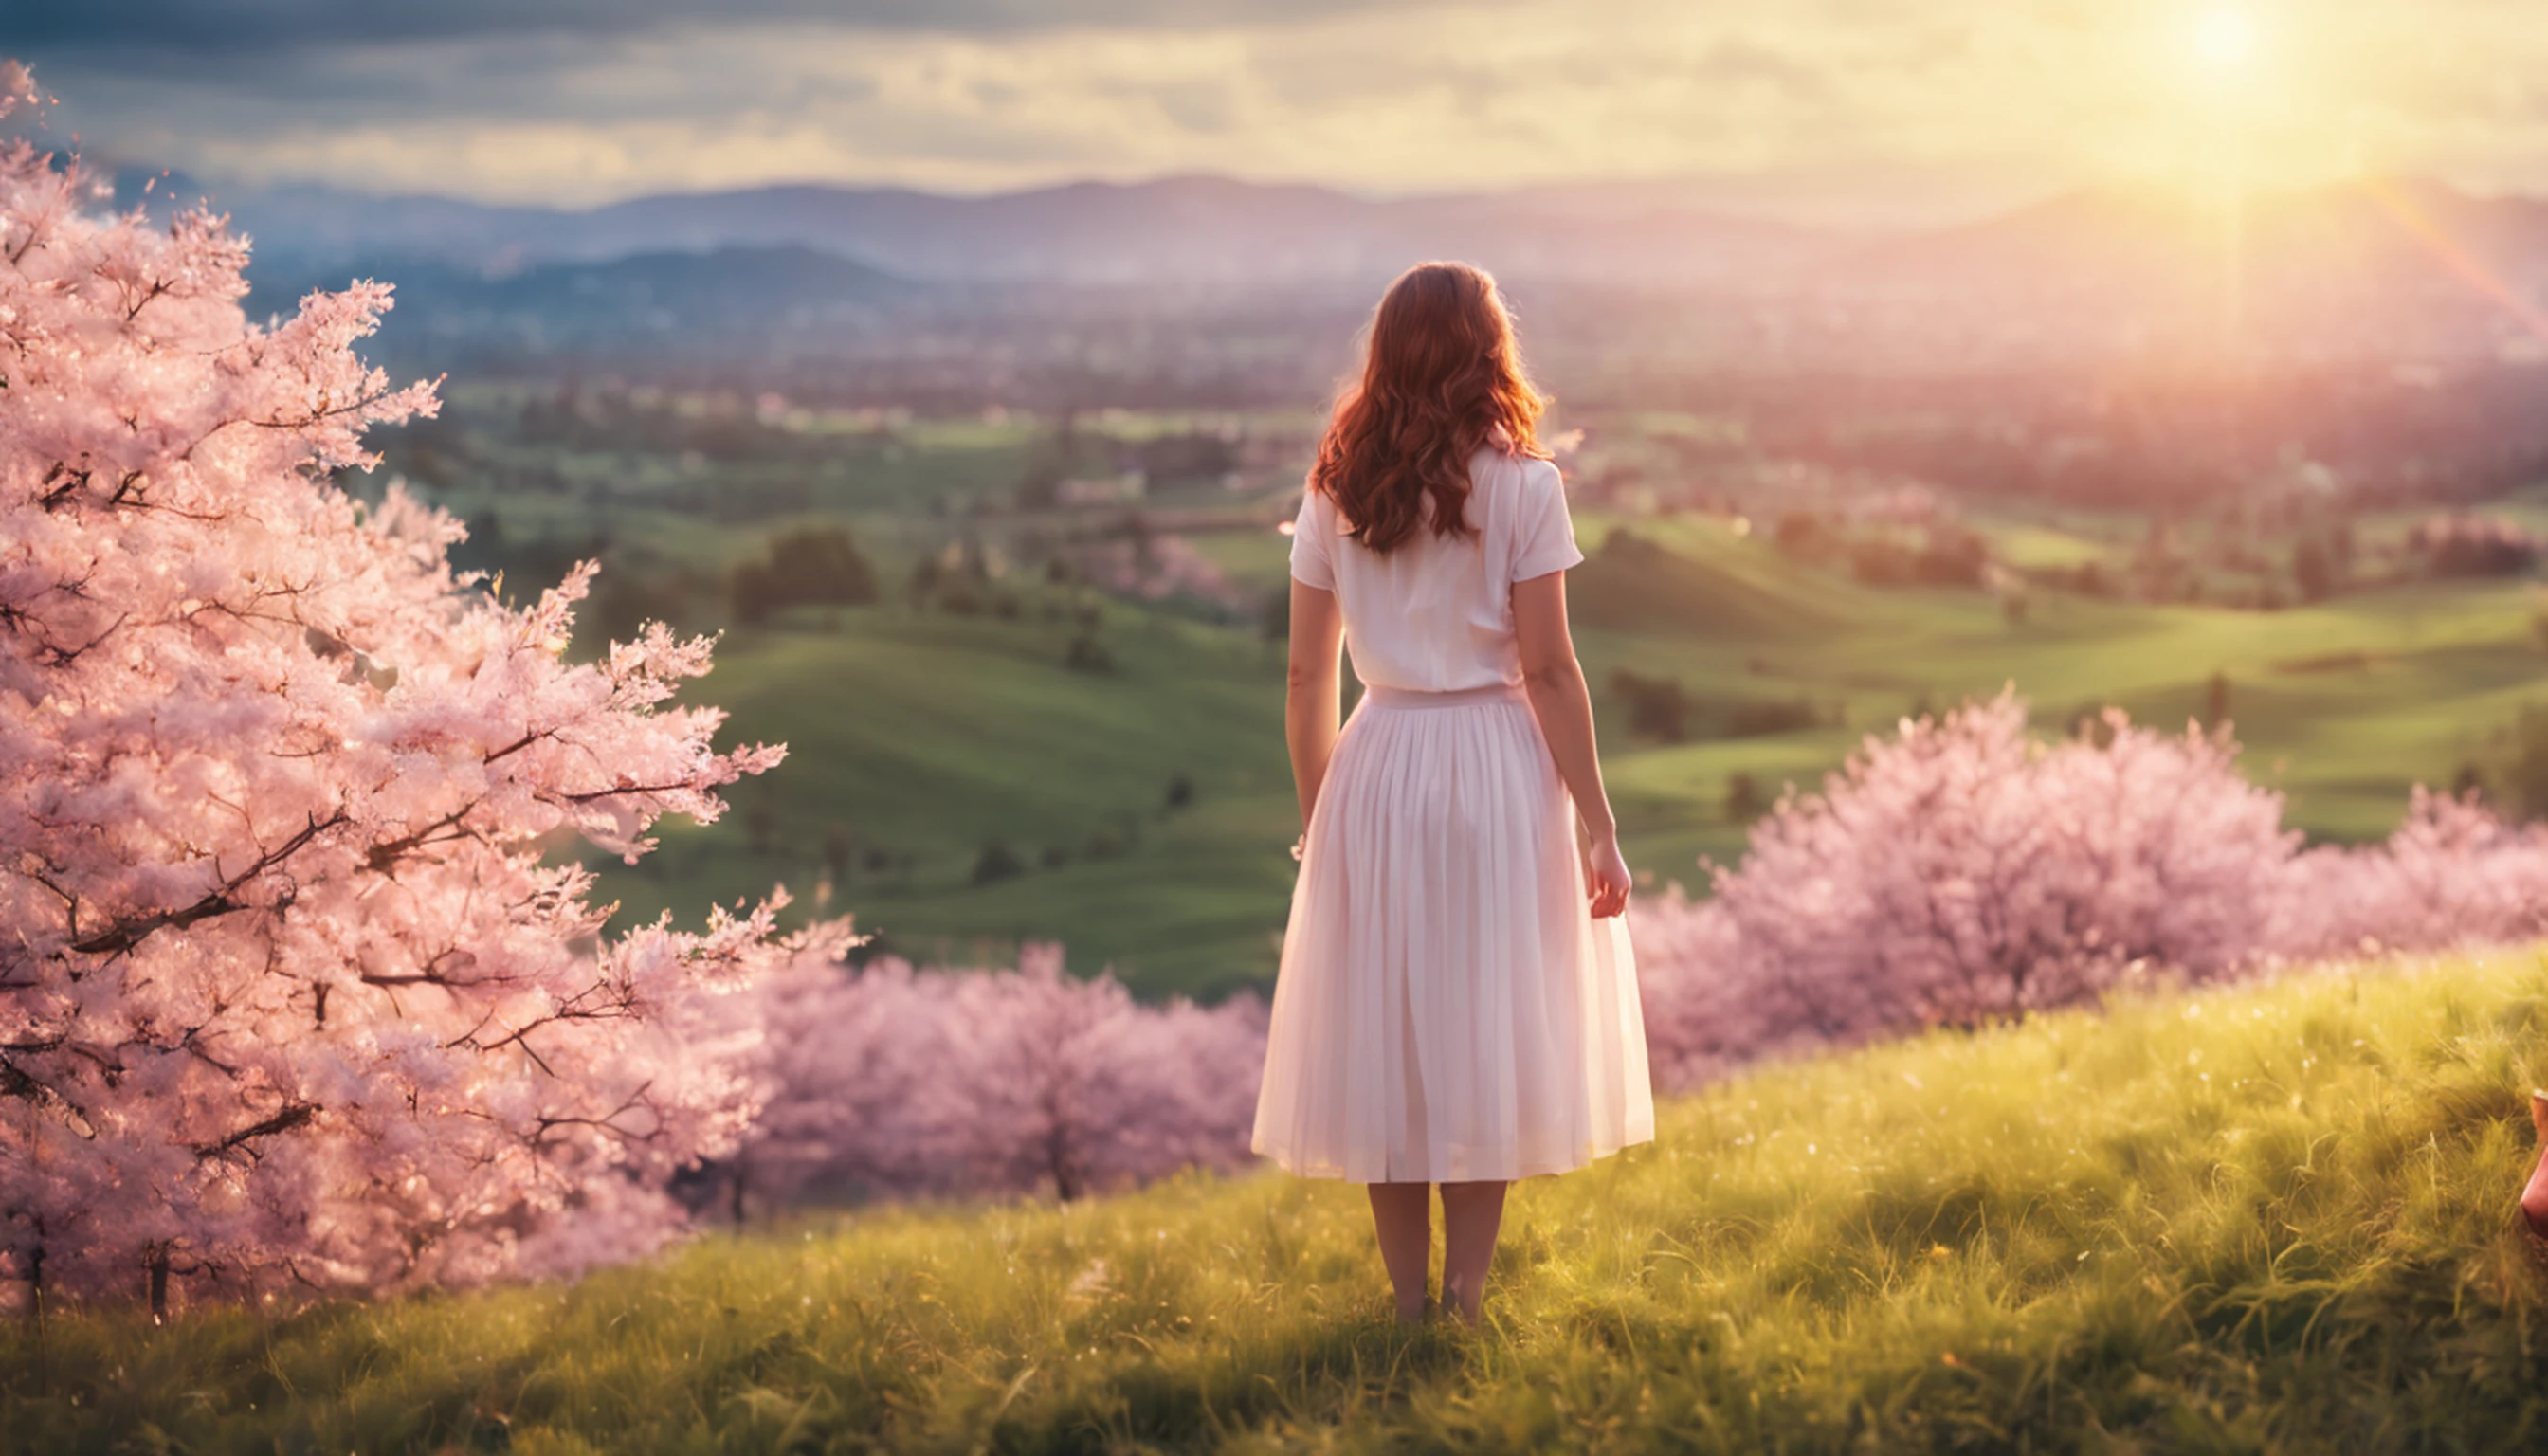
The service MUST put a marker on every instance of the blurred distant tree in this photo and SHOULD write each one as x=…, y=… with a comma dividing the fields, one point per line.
x=838, y=858
x=925, y=575
x=997, y=861
x=2215, y=700
x=2463, y=545
x=625, y=600
x=761, y=824
x=2517, y=771
x=1274, y=619
x=1193, y=456
x=1804, y=534
x=810, y=564
x=1744, y=802
x=1759, y=717
x=1657, y=706
x=2312, y=570
x=1087, y=654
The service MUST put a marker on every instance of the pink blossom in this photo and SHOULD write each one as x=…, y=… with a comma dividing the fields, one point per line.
x=288, y=994
x=892, y=1080
x=1960, y=871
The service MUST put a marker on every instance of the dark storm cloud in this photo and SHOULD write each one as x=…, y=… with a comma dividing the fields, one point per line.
x=131, y=26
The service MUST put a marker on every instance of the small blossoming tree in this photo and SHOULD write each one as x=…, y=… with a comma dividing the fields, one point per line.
x=897, y=1081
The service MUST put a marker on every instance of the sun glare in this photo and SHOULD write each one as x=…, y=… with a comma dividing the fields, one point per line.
x=2223, y=37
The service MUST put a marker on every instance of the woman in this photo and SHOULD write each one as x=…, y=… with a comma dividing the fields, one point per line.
x=1457, y=1003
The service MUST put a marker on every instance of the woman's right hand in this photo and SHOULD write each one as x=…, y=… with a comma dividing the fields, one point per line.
x=1606, y=875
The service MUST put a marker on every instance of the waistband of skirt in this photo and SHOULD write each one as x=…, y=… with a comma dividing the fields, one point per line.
x=1417, y=697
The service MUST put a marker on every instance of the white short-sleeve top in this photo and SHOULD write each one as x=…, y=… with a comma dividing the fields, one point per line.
x=1435, y=614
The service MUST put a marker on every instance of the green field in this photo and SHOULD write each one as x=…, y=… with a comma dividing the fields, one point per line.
x=925, y=737
x=938, y=734
x=2270, y=1219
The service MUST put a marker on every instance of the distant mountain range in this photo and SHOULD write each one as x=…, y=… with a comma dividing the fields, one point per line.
x=2347, y=261
x=731, y=291
x=1185, y=230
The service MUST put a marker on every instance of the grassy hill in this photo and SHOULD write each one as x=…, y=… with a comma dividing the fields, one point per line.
x=929, y=736
x=2277, y=1218
x=932, y=737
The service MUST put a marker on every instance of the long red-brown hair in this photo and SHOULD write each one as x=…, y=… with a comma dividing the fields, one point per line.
x=1442, y=377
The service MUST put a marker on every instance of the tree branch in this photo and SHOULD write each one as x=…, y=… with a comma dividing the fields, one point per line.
x=123, y=935
x=293, y=1115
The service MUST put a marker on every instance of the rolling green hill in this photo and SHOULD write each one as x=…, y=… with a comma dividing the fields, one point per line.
x=933, y=737
x=2270, y=1219
x=929, y=736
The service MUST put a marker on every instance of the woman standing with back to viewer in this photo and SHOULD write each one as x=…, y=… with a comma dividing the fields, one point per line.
x=1457, y=1003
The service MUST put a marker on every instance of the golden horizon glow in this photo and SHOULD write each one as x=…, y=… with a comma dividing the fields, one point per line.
x=2224, y=37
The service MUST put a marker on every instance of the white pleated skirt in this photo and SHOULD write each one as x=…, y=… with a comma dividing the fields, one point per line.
x=1447, y=1009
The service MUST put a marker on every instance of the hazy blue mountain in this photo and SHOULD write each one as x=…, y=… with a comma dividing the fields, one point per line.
x=1204, y=231
x=754, y=299
x=2345, y=269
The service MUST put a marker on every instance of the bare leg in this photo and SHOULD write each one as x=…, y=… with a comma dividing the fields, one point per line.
x=1402, y=1214
x=1471, y=1215
x=2534, y=1198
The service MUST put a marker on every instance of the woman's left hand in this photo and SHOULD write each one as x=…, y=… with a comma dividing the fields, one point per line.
x=1606, y=876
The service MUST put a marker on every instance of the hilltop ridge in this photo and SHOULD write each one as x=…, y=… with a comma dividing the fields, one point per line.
x=2271, y=1217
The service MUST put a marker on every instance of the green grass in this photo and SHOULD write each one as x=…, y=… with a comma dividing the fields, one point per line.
x=2270, y=1219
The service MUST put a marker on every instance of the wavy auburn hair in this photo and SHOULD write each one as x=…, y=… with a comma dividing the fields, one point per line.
x=1442, y=377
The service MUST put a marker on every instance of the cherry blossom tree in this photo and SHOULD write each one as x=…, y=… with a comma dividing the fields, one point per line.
x=893, y=1080
x=289, y=992
x=2453, y=874
x=1960, y=872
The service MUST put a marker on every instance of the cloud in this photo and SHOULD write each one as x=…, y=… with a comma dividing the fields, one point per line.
x=585, y=101
x=203, y=27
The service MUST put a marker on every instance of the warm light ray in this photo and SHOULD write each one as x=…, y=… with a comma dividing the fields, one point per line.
x=2456, y=261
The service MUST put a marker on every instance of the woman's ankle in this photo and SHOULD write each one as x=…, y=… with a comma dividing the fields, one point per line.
x=1461, y=1303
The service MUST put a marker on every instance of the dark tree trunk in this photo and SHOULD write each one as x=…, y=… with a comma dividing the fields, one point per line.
x=1057, y=1159
x=36, y=1317
x=159, y=1287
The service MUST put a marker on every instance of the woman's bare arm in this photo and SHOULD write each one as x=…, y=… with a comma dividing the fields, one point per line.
x=1564, y=704
x=1310, y=696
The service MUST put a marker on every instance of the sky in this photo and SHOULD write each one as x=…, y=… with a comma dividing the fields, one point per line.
x=1862, y=109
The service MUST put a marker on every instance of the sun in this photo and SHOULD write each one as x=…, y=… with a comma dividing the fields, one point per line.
x=2223, y=37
